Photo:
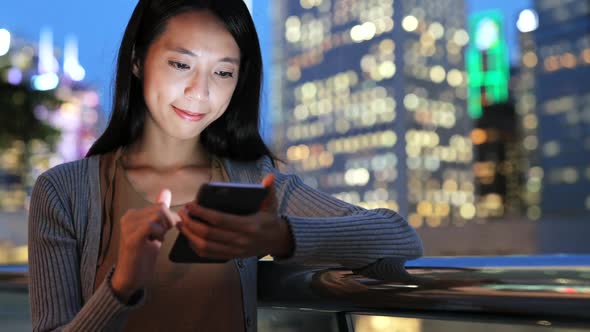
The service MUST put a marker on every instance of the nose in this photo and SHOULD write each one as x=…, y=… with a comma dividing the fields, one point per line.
x=197, y=88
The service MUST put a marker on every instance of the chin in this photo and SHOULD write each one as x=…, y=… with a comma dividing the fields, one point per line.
x=186, y=136
x=189, y=134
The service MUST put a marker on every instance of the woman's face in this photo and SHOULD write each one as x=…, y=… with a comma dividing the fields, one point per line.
x=189, y=74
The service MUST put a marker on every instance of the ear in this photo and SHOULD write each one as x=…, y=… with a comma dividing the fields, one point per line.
x=136, y=70
x=136, y=63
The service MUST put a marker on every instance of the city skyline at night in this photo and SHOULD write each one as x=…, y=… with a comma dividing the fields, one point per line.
x=367, y=101
x=377, y=114
x=98, y=47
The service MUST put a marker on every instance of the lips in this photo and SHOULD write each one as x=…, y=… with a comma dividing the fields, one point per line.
x=186, y=115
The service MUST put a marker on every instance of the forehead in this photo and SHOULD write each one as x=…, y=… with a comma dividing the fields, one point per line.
x=200, y=32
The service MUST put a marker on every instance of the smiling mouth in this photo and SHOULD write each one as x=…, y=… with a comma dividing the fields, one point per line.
x=186, y=115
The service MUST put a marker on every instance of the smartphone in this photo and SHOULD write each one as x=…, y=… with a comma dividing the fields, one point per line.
x=234, y=198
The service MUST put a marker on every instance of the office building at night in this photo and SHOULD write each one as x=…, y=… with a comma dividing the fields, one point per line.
x=553, y=101
x=496, y=136
x=373, y=104
x=54, y=97
x=527, y=118
x=562, y=90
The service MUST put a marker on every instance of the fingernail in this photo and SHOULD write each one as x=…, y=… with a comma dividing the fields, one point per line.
x=165, y=197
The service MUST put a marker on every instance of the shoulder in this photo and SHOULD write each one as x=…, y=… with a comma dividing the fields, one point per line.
x=66, y=188
x=249, y=171
x=70, y=179
x=73, y=171
x=62, y=191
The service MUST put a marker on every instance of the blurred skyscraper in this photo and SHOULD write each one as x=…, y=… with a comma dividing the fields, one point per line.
x=553, y=105
x=562, y=91
x=496, y=136
x=41, y=96
x=496, y=165
x=527, y=118
x=373, y=104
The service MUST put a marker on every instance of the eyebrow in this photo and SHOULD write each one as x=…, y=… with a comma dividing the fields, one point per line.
x=184, y=51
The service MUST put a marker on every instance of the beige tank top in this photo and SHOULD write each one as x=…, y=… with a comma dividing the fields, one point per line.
x=181, y=297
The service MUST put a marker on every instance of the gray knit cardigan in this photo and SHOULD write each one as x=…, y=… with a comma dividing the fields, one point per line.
x=65, y=227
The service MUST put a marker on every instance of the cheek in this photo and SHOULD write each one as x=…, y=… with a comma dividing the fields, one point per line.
x=159, y=89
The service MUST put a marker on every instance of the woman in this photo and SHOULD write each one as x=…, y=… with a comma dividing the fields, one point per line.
x=185, y=113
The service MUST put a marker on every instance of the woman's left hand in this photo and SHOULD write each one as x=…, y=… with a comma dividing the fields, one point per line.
x=215, y=234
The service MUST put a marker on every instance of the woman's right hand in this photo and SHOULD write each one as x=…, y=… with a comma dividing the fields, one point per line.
x=142, y=233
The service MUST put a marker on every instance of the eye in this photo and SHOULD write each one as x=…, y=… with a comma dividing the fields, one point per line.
x=224, y=74
x=179, y=65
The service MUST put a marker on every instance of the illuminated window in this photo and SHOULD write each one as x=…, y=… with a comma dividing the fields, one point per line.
x=529, y=59
x=551, y=149
x=570, y=175
x=410, y=23
x=568, y=60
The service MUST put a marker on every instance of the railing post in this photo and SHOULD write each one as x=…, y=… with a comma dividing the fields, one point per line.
x=344, y=322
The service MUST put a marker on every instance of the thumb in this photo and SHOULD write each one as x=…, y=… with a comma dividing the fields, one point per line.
x=269, y=180
x=270, y=202
x=164, y=197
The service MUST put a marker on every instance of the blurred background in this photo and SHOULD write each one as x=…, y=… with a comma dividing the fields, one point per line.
x=471, y=118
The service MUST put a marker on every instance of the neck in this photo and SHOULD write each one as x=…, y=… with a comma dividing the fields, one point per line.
x=163, y=152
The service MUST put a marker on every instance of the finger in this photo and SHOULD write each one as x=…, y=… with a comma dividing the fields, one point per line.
x=158, y=213
x=270, y=202
x=145, y=213
x=133, y=219
x=210, y=249
x=165, y=197
x=168, y=217
x=151, y=231
x=211, y=233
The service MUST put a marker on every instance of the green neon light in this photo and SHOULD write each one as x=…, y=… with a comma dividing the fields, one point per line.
x=487, y=36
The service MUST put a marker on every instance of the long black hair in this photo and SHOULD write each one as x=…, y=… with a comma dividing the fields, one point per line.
x=235, y=135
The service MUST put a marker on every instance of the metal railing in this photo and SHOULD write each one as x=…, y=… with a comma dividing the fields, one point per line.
x=14, y=278
x=531, y=290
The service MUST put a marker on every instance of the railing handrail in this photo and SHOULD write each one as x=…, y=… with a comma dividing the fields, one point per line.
x=14, y=278
x=546, y=290
x=563, y=260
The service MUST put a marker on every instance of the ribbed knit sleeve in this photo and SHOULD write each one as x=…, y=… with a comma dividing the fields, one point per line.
x=327, y=230
x=54, y=267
